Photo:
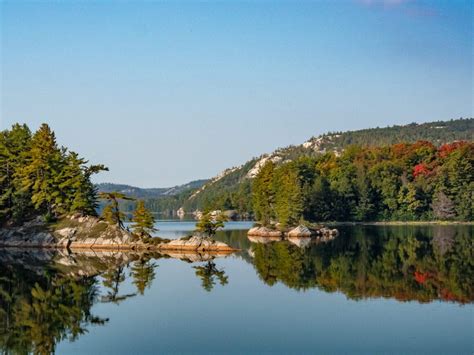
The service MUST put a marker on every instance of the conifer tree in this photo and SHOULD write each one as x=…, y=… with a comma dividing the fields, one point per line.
x=112, y=213
x=143, y=221
x=13, y=145
x=45, y=161
x=263, y=195
x=288, y=198
x=209, y=225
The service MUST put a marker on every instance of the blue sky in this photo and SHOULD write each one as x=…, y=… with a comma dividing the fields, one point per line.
x=167, y=92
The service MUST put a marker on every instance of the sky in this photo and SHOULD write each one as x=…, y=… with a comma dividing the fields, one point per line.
x=167, y=92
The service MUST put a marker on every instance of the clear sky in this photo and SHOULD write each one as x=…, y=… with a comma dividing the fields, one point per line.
x=167, y=92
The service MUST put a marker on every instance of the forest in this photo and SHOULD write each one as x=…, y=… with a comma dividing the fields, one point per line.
x=406, y=182
x=38, y=177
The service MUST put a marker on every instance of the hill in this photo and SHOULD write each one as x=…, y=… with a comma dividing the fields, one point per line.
x=150, y=193
x=231, y=188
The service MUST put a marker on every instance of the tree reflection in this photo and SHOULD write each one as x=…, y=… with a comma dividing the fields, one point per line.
x=209, y=274
x=143, y=274
x=38, y=310
x=402, y=263
x=112, y=280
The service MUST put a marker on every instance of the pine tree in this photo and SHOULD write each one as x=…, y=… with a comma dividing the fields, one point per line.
x=45, y=161
x=143, y=221
x=112, y=213
x=288, y=197
x=14, y=205
x=209, y=225
x=263, y=196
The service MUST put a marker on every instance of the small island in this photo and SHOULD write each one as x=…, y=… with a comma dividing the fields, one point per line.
x=49, y=201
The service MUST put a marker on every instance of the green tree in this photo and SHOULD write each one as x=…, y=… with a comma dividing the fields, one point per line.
x=143, y=221
x=44, y=163
x=288, y=196
x=111, y=212
x=209, y=224
x=262, y=194
x=14, y=205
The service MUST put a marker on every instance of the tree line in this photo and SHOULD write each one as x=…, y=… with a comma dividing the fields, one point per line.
x=417, y=181
x=38, y=177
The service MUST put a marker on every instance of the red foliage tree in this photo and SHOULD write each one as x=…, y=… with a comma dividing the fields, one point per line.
x=447, y=149
x=420, y=169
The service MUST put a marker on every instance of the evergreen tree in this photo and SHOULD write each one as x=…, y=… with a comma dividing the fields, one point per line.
x=143, y=221
x=288, y=197
x=262, y=193
x=209, y=225
x=13, y=145
x=45, y=161
x=112, y=213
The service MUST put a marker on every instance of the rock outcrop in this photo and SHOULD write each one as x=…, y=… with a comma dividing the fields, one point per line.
x=297, y=232
x=300, y=231
x=77, y=232
x=195, y=243
x=301, y=235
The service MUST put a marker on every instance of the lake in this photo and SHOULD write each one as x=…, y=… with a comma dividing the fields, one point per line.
x=372, y=290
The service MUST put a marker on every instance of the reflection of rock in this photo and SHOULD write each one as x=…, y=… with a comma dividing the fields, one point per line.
x=195, y=243
x=264, y=232
x=443, y=239
x=300, y=231
x=263, y=240
x=326, y=232
x=301, y=242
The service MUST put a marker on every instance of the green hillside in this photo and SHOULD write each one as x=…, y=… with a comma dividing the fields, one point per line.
x=231, y=188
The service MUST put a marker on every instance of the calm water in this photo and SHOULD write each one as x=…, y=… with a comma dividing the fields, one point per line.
x=372, y=290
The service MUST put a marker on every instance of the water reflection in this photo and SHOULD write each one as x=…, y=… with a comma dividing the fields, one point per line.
x=47, y=296
x=40, y=306
x=407, y=263
x=209, y=273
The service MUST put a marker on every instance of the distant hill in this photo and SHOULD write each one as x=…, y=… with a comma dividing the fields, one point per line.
x=143, y=193
x=231, y=188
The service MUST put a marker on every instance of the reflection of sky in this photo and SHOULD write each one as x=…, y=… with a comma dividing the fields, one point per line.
x=247, y=316
x=175, y=229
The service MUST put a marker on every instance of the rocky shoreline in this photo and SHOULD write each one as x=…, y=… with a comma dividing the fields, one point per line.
x=78, y=232
x=300, y=231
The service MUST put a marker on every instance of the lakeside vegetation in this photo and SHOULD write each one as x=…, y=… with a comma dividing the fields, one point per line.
x=40, y=178
x=410, y=182
x=326, y=179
